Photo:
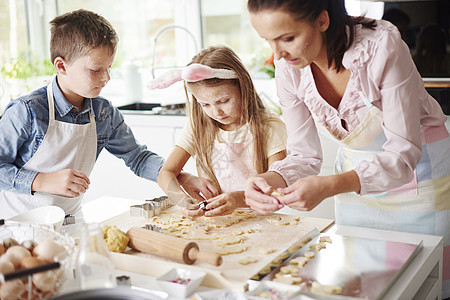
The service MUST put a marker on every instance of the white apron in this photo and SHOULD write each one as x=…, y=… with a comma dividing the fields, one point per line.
x=420, y=206
x=65, y=146
x=232, y=164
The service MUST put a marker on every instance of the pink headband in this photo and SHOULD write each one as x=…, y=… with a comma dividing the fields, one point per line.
x=191, y=73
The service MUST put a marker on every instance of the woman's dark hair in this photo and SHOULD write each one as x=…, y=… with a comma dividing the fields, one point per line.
x=308, y=10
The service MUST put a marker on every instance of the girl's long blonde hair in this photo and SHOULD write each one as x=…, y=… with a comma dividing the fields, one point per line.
x=254, y=113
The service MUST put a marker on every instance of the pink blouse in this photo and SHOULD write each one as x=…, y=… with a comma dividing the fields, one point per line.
x=383, y=72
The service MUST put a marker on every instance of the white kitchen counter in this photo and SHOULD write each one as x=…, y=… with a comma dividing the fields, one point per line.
x=422, y=279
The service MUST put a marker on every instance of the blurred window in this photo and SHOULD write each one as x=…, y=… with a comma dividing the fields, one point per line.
x=13, y=36
x=228, y=23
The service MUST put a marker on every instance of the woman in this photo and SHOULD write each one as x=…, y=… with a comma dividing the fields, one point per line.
x=354, y=79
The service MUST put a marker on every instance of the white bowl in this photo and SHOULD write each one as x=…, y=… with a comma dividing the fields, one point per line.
x=191, y=281
x=45, y=215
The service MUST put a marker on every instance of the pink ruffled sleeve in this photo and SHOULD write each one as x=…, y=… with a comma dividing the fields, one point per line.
x=303, y=145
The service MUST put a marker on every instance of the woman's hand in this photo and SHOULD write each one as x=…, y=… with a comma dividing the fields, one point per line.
x=308, y=192
x=305, y=193
x=257, y=193
x=224, y=204
x=197, y=187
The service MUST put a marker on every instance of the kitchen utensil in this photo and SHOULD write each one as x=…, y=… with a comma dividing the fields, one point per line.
x=151, y=207
x=20, y=273
x=169, y=247
x=45, y=215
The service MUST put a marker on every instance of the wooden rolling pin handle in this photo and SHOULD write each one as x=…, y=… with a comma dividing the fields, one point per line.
x=160, y=244
x=208, y=257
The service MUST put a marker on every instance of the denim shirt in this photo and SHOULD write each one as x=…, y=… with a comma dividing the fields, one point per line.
x=25, y=121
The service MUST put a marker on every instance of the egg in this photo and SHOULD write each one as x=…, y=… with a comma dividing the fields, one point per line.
x=17, y=254
x=45, y=281
x=48, y=250
x=11, y=259
x=31, y=262
x=29, y=244
x=11, y=289
x=6, y=266
x=9, y=242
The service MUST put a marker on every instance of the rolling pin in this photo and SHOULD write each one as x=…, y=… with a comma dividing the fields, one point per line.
x=167, y=246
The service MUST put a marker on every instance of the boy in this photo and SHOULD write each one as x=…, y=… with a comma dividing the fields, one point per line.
x=51, y=138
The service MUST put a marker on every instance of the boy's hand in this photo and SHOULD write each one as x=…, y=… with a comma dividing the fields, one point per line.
x=67, y=182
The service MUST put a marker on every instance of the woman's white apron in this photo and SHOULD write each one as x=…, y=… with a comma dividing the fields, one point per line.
x=420, y=206
x=65, y=146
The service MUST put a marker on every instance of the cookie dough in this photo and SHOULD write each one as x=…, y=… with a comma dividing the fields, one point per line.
x=299, y=261
x=266, y=251
x=318, y=246
x=229, y=240
x=276, y=193
x=309, y=254
x=115, y=239
x=325, y=239
x=287, y=279
x=247, y=260
x=289, y=269
x=232, y=249
x=325, y=289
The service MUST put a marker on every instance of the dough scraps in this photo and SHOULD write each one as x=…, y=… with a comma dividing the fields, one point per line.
x=290, y=269
x=229, y=240
x=325, y=289
x=247, y=260
x=232, y=249
x=309, y=254
x=287, y=279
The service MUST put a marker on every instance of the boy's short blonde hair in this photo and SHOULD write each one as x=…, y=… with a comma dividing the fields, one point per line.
x=76, y=33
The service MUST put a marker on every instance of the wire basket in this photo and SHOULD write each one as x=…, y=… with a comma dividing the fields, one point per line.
x=40, y=285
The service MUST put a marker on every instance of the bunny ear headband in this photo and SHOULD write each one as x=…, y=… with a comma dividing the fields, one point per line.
x=191, y=73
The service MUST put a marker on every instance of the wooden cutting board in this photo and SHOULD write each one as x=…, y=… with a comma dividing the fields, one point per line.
x=260, y=234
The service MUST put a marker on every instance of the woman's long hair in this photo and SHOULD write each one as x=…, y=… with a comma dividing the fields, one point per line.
x=205, y=129
x=309, y=10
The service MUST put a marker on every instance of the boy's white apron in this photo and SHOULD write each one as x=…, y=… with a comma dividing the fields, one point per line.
x=421, y=206
x=65, y=146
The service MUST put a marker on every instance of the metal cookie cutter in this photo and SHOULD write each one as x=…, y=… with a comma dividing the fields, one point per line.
x=145, y=210
x=69, y=219
x=153, y=227
x=163, y=200
x=150, y=208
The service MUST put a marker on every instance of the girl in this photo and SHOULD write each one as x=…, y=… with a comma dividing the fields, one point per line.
x=355, y=80
x=230, y=132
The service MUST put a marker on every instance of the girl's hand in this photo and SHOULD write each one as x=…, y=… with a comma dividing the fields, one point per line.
x=197, y=187
x=305, y=193
x=257, y=196
x=67, y=182
x=223, y=204
x=189, y=207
